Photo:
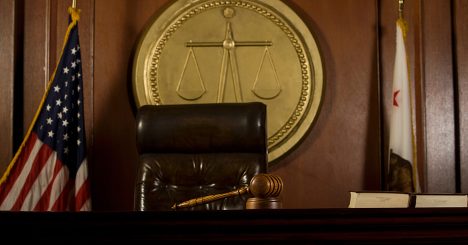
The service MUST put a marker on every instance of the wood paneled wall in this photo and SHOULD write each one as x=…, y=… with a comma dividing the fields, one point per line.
x=7, y=70
x=439, y=103
x=460, y=35
x=344, y=150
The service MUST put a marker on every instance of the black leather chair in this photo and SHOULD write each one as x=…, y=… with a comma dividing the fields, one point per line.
x=192, y=150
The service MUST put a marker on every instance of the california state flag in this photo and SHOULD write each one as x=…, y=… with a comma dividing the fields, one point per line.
x=402, y=169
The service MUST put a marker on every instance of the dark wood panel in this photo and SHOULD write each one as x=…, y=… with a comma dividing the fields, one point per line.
x=438, y=79
x=341, y=153
x=35, y=56
x=118, y=25
x=7, y=65
x=461, y=34
x=387, y=16
x=416, y=44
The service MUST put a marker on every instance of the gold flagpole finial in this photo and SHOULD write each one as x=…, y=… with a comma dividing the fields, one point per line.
x=74, y=4
x=400, y=8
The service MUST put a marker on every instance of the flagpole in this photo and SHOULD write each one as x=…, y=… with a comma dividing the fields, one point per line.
x=74, y=4
x=401, y=4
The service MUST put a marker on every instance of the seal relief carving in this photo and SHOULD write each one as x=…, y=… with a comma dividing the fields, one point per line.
x=216, y=51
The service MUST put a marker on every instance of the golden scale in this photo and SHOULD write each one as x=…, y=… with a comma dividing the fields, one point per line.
x=213, y=51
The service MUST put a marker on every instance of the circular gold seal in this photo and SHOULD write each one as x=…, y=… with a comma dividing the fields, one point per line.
x=213, y=51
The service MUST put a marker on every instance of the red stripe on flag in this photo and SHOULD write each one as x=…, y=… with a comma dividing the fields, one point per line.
x=43, y=203
x=17, y=167
x=82, y=195
x=39, y=162
x=63, y=201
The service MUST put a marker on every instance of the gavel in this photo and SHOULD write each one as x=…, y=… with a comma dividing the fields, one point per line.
x=264, y=187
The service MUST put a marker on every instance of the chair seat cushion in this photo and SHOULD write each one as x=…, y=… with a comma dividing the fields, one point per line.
x=165, y=179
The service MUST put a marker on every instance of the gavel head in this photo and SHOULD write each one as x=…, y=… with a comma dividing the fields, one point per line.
x=266, y=185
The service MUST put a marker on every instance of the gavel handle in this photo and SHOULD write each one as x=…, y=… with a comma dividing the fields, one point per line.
x=210, y=198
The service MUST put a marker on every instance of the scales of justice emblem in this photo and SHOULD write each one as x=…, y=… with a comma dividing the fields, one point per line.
x=223, y=51
x=262, y=88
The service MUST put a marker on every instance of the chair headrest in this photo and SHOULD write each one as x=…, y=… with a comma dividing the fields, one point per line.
x=202, y=128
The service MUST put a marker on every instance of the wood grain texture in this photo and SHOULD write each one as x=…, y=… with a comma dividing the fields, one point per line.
x=34, y=60
x=341, y=153
x=118, y=25
x=438, y=79
x=461, y=34
x=7, y=67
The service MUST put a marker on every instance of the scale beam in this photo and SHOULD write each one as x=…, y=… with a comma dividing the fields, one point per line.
x=237, y=44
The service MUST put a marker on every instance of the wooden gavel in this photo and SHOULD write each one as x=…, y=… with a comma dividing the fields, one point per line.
x=261, y=186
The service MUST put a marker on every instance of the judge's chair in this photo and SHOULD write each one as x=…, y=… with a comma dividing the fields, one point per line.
x=192, y=150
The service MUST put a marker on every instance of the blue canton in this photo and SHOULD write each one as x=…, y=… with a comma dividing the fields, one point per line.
x=61, y=120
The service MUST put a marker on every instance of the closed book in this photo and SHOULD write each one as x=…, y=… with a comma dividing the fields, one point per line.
x=442, y=200
x=379, y=199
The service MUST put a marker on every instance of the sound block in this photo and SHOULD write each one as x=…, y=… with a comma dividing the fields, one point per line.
x=263, y=203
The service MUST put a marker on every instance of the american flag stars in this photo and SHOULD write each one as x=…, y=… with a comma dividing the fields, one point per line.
x=61, y=123
x=50, y=170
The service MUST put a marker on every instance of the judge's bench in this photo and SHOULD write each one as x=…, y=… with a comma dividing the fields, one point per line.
x=260, y=226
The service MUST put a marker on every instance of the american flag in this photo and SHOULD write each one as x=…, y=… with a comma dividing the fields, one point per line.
x=49, y=171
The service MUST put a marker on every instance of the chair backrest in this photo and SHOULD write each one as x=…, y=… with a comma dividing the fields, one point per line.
x=192, y=150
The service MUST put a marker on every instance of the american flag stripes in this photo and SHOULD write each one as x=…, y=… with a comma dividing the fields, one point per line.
x=49, y=171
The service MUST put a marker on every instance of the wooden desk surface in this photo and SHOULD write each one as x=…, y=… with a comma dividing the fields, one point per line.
x=281, y=226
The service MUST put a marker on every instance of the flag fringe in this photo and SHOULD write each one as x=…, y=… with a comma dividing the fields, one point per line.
x=403, y=25
x=401, y=22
